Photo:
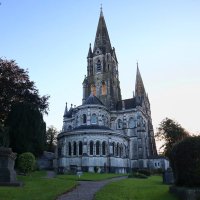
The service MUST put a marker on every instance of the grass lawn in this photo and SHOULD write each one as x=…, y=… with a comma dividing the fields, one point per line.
x=36, y=187
x=136, y=189
x=90, y=176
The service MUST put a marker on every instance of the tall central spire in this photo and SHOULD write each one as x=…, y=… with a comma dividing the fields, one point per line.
x=102, y=40
x=139, y=86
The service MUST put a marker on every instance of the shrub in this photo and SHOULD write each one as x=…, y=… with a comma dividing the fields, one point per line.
x=144, y=171
x=185, y=160
x=26, y=162
x=137, y=175
x=157, y=171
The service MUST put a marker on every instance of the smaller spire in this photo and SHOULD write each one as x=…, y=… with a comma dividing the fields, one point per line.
x=90, y=52
x=66, y=110
x=139, y=86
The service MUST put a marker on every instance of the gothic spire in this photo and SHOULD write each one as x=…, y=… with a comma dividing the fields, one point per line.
x=139, y=86
x=102, y=40
x=90, y=52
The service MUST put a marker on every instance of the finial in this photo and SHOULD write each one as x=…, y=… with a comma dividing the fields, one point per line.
x=137, y=63
x=101, y=10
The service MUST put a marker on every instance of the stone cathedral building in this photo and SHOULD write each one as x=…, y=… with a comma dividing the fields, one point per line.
x=107, y=133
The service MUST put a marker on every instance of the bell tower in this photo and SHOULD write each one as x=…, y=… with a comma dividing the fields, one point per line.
x=102, y=69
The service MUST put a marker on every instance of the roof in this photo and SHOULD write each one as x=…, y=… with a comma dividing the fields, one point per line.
x=68, y=114
x=92, y=100
x=128, y=104
x=94, y=126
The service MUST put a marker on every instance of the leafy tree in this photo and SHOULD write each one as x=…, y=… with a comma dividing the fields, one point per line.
x=16, y=87
x=27, y=129
x=4, y=137
x=170, y=132
x=185, y=160
x=51, y=135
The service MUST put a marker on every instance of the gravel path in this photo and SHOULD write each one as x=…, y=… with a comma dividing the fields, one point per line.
x=86, y=189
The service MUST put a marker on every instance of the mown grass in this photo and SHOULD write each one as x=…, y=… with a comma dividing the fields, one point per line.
x=90, y=176
x=136, y=189
x=37, y=187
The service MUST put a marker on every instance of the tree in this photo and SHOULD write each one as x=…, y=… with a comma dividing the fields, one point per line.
x=170, y=132
x=51, y=135
x=16, y=87
x=27, y=129
x=4, y=137
x=185, y=161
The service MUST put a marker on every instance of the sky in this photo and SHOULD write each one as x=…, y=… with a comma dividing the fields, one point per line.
x=51, y=39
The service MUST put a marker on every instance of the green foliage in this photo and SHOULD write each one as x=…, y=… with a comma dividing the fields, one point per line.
x=157, y=171
x=51, y=136
x=137, y=175
x=4, y=137
x=36, y=187
x=185, y=160
x=170, y=132
x=26, y=162
x=27, y=129
x=144, y=171
x=16, y=87
x=137, y=189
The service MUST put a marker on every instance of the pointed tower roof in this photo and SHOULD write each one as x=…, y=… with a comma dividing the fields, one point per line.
x=139, y=86
x=102, y=40
x=90, y=52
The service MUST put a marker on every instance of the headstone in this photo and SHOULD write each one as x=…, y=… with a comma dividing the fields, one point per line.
x=7, y=172
x=168, y=176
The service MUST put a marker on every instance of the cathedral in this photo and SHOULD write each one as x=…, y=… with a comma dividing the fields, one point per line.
x=107, y=133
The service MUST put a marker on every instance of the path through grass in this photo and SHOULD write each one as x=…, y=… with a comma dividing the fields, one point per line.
x=136, y=189
x=36, y=187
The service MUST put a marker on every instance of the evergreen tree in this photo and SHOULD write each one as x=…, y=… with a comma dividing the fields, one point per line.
x=27, y=130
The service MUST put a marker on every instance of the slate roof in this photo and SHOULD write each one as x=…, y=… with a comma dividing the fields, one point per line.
x=92, y=100
x=69, y=113
x=94, y=126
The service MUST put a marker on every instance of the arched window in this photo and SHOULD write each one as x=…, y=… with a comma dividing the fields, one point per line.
x=74, y=150
x=103, y=88
x=104, y=148
x=93, y=90
x=97, y=148
x=80, y=148
x=69, y=149
x=98, y=65
x=91, y=147
x=84, y=119
x=94, y=119
x=113, y=148
x=131, y=123
x=117, y=150
x=119, y=124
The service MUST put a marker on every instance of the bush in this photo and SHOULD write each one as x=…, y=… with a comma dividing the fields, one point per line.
x=137, y=175
x=144, y=171
x=157, y=171
x=26, y=162
x=185, y=160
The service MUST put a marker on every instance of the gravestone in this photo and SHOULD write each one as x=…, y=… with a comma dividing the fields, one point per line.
x=168, y=176
x=7, y=172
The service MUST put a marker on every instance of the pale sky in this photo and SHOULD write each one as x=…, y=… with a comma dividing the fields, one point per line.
x=51, y=38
